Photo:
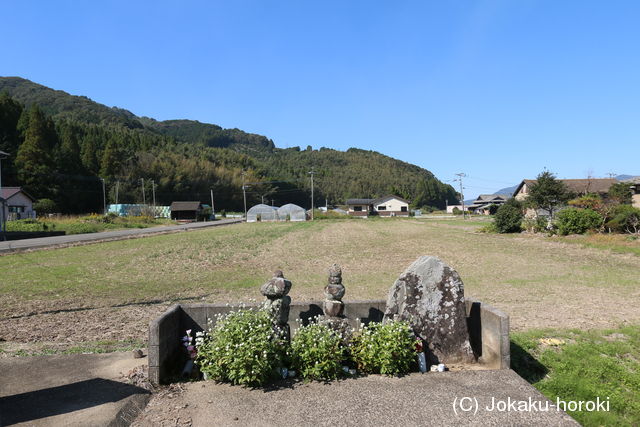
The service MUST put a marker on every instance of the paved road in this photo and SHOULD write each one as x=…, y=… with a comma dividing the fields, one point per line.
x=70, y=390
x=25, y=244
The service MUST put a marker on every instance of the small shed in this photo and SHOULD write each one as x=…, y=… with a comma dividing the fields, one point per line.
x=262, y=213
x=18, y=204
x=186, y=211
x=292, y=212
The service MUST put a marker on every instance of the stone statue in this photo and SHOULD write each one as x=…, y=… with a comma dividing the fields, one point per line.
x=333, y=293
x=277, y=302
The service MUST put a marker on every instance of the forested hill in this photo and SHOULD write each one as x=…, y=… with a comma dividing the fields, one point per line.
x=62, y=145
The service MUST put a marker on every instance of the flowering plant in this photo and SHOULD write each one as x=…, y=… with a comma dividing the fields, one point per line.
x=318, y=352
x=187, y=342
x=242, y=348
x=386, y=348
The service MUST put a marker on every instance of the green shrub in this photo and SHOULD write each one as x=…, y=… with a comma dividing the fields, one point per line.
x=242, y=348
x=26, y=225
x=45, y=206
x=539, y=224
x=385, y=348
x=317, y=352
x=577, y=221
x=456, y=211
x=626, y=219
x=508, y=217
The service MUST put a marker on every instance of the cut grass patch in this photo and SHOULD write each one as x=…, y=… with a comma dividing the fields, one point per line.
x=577, y=365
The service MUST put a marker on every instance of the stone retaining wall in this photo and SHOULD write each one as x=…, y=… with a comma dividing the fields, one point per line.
x=488, y=330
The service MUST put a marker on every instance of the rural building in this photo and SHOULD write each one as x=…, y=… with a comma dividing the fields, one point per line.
x=18, y=204
x=383, y=206
x=186, y=211
x=634, y=184
x=578, y=186
x=481, y=205
x=262, y=213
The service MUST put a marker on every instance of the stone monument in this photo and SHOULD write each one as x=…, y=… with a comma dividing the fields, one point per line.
x=277, y=302
x=333, y=293
x=430, y=296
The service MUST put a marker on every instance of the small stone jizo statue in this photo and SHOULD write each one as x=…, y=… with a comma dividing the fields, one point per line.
x=333, y=293
x=277, y=302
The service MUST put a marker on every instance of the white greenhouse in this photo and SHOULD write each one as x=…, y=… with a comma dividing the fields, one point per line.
x=262, y=213
x=292, y=212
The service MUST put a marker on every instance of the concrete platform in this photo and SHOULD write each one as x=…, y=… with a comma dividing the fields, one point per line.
x=413, y=400
x=69, y=390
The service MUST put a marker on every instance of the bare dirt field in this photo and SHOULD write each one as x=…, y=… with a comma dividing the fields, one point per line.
x=102, y=296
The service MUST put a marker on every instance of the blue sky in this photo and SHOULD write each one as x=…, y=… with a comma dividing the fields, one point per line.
x=496, y=89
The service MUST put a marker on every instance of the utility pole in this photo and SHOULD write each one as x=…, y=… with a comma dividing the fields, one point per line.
x=144, y=199
x=3, y=224
x=153, y=189
x=244, y=194
x=460, y=176
x=312, y=173
x=117, y=188
x=104, y=198
x=611, y=175
x=213, y=210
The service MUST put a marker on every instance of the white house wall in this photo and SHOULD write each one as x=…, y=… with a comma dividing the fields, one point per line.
x=394, y=205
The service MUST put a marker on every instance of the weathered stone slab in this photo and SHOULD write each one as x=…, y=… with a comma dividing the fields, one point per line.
x=430, y=296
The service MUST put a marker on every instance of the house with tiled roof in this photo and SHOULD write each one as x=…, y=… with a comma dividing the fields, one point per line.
x=577, y=186
x=481, y=206
x=18, y=204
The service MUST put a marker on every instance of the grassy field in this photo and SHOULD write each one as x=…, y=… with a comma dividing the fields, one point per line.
x=85, y=224
x=583, y=366
x=102, y=296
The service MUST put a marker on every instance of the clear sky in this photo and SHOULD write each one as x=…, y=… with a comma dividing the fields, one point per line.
x=496, y=89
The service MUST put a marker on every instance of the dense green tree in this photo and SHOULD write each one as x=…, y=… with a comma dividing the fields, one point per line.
x=10, y=112
x=620, y=192
x=509, y=216
x=547, y=193
x=34, y=162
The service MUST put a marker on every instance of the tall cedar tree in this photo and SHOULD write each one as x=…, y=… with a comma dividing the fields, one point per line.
x=548, y=193
x=10, y=112
x=34, y=161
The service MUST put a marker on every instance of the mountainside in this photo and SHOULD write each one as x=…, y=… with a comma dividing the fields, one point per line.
x=507, y=190
x=62, y=145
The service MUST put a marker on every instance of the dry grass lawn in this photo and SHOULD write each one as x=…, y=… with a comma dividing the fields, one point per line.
x=110, y=291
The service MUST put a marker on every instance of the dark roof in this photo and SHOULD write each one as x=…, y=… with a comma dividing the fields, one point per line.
x=9, y=192
x=580, y=186
x=185, y=206
x=360, y=201
x=490, y=198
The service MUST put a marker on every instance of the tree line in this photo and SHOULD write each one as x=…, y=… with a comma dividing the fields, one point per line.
x=65, y=155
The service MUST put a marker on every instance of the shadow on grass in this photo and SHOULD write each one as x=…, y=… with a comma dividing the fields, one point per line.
x=526, y=365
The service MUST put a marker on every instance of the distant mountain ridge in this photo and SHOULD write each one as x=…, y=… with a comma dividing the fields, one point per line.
x=187, y=158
